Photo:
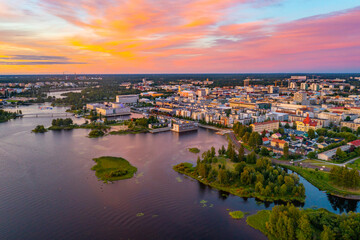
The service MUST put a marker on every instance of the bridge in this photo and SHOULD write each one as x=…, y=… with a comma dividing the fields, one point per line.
x=36, y=115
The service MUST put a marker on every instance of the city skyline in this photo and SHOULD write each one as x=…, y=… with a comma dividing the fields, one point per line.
x=202, y=36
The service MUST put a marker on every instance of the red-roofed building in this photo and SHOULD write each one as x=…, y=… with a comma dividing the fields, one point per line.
x=355, y=143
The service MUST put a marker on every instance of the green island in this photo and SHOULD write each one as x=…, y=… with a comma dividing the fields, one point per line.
x=39, y=129
x=109, y=169
x=194, y=150
x=288, y=222
x=249, y=177
x=340, y=181
x=6, y=116
x=95, y=133
x=237, y=214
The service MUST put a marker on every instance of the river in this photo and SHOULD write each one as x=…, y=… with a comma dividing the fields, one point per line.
x=48, y=190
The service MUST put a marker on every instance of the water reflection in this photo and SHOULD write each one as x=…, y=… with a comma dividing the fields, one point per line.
x=342, y=204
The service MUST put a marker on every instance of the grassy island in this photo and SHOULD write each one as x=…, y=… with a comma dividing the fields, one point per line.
x=237, y=214
x=113, y=169
x=95, y=133
x=39, y=129
x=326, y=181
x=194, y=150
x=289, y=222
x=244, y=178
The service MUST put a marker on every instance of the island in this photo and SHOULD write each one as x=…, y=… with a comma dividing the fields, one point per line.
x=110, y=169
x=288, y=222
x=194, y=150
x=244, y=176
x=39, y=129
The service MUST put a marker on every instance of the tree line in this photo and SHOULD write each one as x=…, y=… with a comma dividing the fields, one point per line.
x=289, y=222
x=345, y=177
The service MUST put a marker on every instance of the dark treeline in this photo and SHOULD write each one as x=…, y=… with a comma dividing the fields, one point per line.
x=226, y=79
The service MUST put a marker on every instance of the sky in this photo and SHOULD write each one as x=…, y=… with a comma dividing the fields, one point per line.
x=179, y=36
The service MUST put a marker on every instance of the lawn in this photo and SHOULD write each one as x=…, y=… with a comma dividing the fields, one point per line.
x=354, y=165
x=113, y=169
x=258, y=221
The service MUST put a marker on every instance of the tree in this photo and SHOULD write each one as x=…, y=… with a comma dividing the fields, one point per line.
x=241, y=153
x=312, y=155
x=321, y=139
x=327, y=234
x=304, y=231
x=311, y=133
x=264, y=151
x=286, y=151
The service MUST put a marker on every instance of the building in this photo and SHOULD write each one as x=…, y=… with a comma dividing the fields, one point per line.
x=293, y=85
x=246, y=82
x=307, y=124
x=353, y=125
x=327, y=155
x=274, y=89
x=127, y=99
x=301, y=97
x=332, y=117
x=267, y=126
x=278, y=143
x=304, y=86
x=298, y=78
x=184, y=127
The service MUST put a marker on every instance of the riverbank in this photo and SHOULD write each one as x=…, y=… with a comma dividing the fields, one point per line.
x=110, y=169
x=321, y=180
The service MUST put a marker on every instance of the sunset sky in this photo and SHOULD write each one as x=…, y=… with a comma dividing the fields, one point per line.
x=179, y=36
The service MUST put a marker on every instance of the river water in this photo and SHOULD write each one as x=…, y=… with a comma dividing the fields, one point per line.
x=48, y=191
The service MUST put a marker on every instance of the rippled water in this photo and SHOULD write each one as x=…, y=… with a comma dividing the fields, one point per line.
x=47, y=190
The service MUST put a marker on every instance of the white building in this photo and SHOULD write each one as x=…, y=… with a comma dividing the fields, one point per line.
x=128, y=99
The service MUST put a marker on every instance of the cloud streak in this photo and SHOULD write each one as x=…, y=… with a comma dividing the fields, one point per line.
x=139, y=36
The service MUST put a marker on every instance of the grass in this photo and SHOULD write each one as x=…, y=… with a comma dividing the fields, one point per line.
x=258, y=221
x=113, y=169
x=194, y=150
x=321, y=180
x=237, y=214
x=354, y=165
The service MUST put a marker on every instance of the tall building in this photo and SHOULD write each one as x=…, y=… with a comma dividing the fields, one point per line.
x=293, y=85
x=315, y=87
x=246, y=82
x=304, y=86
x=274, y=89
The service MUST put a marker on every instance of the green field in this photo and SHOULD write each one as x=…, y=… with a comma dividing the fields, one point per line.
x=322, y=181
x=113, y=169
x=354, y=165
x=258, y=221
